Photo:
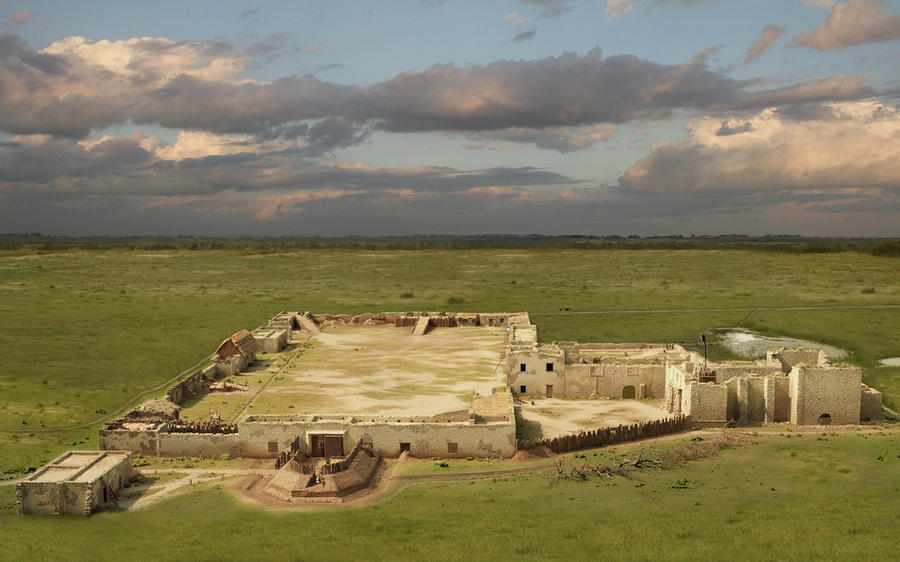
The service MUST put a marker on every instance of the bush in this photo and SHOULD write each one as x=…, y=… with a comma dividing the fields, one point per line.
x=456, y=300
x=890, y=248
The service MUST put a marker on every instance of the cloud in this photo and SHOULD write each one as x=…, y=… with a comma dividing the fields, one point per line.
x=200, y=163
x=515, y=18
x=770, y=34
x=76, y=86
x=617, y=8
x=527, y=35
x=560, y=139
x=550, y=8
x=315, y=49
x=858, y=148
x=19, y=18
x=854, y=23
x=258, y=9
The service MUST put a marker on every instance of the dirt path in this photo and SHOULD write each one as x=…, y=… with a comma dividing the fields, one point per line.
x=259, y=390
x=144, y=496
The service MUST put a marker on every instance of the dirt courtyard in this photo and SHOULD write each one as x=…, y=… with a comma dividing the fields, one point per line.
x=550, y=417
x=383, y=370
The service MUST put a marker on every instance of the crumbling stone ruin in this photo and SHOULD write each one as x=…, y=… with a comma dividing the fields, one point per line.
x=799, y=386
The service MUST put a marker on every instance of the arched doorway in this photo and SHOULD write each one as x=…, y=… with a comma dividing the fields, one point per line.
x=628, y=392
x=825, y=419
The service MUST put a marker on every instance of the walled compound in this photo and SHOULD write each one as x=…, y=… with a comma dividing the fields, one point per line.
x=459, y=400
x=427, y=384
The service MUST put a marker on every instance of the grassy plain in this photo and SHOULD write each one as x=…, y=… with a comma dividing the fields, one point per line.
x=819, y=496
x=84, y=332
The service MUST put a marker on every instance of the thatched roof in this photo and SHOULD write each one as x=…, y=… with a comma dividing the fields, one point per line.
x=241, y=343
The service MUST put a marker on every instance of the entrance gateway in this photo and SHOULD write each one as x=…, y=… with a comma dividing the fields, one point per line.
x=326, y=445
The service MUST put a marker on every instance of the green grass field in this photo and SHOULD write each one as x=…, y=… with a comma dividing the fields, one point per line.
x=767, y=498
x=84, y=332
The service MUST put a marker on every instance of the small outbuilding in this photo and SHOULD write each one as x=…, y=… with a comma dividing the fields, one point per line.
x=235, y=353
x=76, y=483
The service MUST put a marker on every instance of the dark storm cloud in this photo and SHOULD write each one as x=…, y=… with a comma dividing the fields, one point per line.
x=121, y=166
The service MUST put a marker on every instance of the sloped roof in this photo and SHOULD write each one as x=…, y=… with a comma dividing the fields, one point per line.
x=241, y=343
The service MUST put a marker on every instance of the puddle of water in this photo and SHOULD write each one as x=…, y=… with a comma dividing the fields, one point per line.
x=751, y=344
x=891, y=362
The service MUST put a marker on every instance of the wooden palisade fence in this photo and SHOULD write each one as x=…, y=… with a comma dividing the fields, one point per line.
x=610, y=435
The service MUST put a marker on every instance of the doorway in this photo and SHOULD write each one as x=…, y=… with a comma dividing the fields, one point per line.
x=628, y=392
x=326, y=445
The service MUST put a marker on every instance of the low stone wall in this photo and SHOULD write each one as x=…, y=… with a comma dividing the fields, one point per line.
x=144, y=442
x=199, y=444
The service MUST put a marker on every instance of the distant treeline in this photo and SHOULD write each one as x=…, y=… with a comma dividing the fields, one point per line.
x=37, y=243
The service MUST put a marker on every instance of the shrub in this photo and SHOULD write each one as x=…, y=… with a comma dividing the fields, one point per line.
x=456, y=300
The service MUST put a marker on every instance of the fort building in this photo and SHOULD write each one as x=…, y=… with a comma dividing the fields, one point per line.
x=76, y=483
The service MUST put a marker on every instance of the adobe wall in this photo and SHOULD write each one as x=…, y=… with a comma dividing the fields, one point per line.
x=870, y=409
x=199, y=444
x=37, y=497
x=191, y=386
x=788, y=358
x=706, y=403
x=727, y=371
x=536, y=377
x=144, y=442
x=782, y=384
x=825, y=390
x=425, y=439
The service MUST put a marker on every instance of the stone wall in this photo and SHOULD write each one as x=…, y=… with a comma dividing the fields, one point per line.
x=870, y=409
x=536, y=376
x=197, y=383
x=834, y=391
x=788, y=358
x=144, y=441
x=706, y=403
x=199, y=444
x=425, y=439
x=730, y=370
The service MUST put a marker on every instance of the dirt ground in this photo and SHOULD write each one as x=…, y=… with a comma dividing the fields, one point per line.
x=550, y=417
x=380, y=370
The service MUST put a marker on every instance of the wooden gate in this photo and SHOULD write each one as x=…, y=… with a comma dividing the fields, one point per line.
x=334, y=445
x=317, y=445
x=326, y=445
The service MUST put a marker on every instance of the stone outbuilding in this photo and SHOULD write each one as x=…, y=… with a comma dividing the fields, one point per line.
x=76, y=483
x=234, y=354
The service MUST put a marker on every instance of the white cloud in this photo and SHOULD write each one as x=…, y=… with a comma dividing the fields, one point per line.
x=154, y=60
x=853, y=23
x=858, y=146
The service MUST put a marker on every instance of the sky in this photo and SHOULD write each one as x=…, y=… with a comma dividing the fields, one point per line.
x=602, y=117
